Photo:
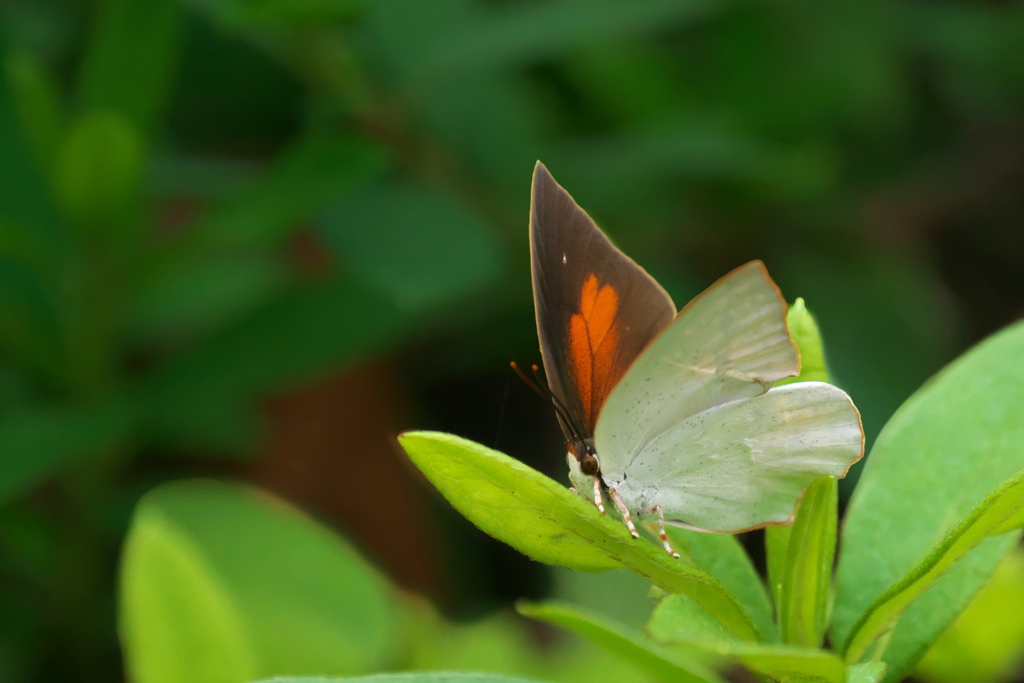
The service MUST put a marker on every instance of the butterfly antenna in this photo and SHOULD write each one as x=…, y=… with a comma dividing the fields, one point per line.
x=545, y=392
x=550, y=394
x=529, y=382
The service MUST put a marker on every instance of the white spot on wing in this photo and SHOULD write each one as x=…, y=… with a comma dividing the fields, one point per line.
x=564, y=259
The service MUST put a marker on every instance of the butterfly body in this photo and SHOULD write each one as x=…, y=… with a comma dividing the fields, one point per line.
x=674, y=414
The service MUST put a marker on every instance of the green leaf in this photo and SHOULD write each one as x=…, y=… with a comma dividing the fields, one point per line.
x=681, y=621
x=807, y=576
x=954, y=442
x=178, y=621
x=776, y=545
x=1002, y=511
x=723, y=557
x=664, y=663
x=418, y=677
x=543, y=519
x=287, y=595
x=986, y=643
x=98, y=167
x=413, y=244
x=319, y=168
x=131, y=59
x=36, y=442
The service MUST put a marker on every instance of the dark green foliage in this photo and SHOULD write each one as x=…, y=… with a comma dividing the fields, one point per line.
x=204, y=203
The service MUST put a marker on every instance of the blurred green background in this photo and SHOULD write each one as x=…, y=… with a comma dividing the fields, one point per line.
x=256, y=238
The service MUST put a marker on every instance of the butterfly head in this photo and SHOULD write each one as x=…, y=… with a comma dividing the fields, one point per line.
x=585, y=455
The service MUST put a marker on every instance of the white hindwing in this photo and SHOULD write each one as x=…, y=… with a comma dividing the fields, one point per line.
x=745, y=464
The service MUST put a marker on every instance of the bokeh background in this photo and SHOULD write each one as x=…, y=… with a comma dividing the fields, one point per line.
x=255, y=239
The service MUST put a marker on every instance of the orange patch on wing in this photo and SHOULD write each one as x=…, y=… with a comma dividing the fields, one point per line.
x=593, y=343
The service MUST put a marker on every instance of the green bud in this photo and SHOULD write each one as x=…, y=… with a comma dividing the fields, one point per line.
x=98, y=167
x=804, y=331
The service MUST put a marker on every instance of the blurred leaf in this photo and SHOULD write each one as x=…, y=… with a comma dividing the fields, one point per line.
x=807, y=574
x=200, y=176
x=303, y=600
x=1001, y=512
x=633, y=79
x=178, y=621
x=30, y=310
x=986, y=643
x=204, y=294
x=679, y=620
x=275, y=14
x=25, y=201
x=414, y=245
x=424, y=677
x=98, y=167
x=497, y=643
x=497, y=123
x=37, y=97
x=635, y=647
x=627, y=163
x=37, y=442
x=617, y=594
x=952, y=443
x=723, y=557
x=130, y=60
x=506, y=644
x=201, y=395
x=530, y=32
x=318, y=169
x=868, y=672
x=544, y=520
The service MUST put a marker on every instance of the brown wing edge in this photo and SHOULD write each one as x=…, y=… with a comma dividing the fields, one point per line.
x=541, y=175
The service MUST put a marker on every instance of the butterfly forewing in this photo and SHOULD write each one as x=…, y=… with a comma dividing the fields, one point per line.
x=596, y=308
x=728, y=344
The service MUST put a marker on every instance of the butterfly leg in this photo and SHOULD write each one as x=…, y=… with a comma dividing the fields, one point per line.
x=624, y=511
x=598, y=498
x=661, y=530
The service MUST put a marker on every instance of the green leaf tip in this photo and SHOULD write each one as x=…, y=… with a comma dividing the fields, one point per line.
x=510, y=501
x=803, y=329
x=544, y=520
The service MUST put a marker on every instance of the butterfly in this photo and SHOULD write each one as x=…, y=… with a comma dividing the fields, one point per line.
x=672, y=414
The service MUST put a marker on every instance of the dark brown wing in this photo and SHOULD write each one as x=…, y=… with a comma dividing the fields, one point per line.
x=596, y=308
